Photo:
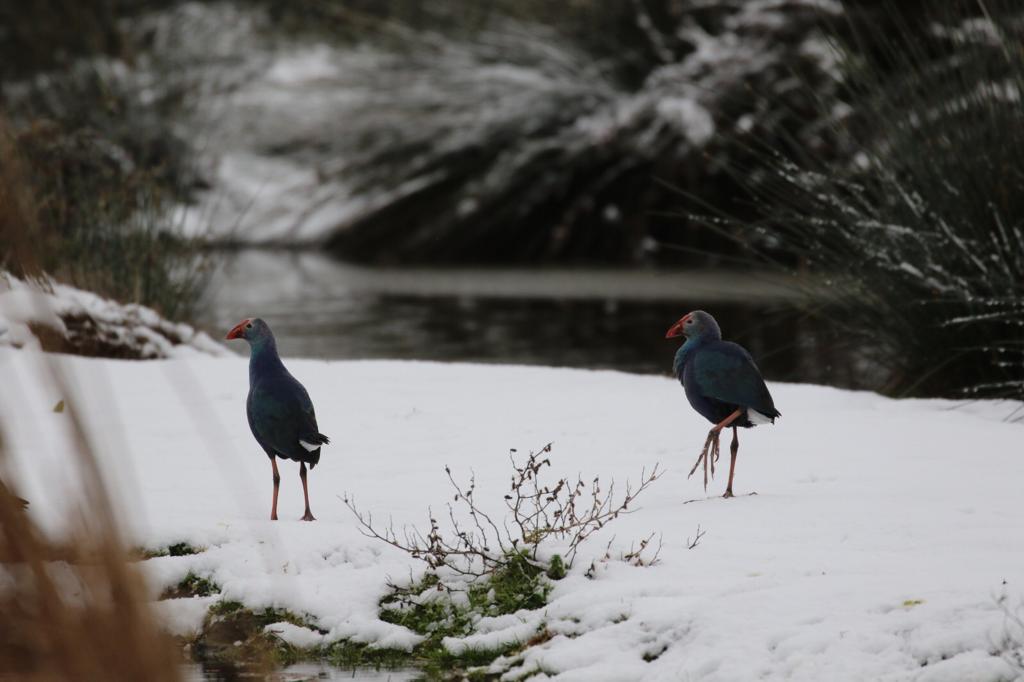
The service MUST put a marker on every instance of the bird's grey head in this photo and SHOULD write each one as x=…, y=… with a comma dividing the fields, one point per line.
x=697, y=324
x=253, y=329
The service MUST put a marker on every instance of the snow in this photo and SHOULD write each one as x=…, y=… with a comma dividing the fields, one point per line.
x=882, y=535
x=693, y=120
x=296, y=635
x=184, y=617
x=139, y=330
x=508, y=96
x=20, y=306
x=493, y=632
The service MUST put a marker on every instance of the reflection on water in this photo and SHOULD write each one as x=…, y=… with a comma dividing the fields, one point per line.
x=613, y=319
x=299, y=672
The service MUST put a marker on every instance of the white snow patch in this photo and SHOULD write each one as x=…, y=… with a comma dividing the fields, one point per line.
x=693, y=120
x=910, y=269
x=183, y=617
x=515, y=629
x=295, y=635
x=132, y=326
x=881, y=535
x=306, y=65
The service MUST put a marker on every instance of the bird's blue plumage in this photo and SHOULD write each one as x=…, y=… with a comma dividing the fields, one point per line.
x=280, y=412
x=720, y=377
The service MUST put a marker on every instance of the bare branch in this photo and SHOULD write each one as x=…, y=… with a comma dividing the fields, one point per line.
x=690, y=544
x=536, y=510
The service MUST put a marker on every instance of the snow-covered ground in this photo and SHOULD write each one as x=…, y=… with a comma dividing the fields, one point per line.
x=72, y=318
x=880, y=538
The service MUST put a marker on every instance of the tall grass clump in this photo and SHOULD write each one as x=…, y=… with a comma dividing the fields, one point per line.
x=91, y=155
x=921, y=231
x=94, y=219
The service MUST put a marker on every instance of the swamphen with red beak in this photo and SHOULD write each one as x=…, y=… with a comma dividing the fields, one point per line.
x=722, y=383
x=279, y=409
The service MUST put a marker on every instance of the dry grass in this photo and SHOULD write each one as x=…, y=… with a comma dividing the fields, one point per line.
x=68, y=211
x=78, y=610
x=85, y=616
x=19, y=224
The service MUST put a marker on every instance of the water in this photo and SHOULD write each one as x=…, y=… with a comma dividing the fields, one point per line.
x=594, y=318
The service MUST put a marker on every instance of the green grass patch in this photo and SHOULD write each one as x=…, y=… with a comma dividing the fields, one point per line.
x=346, y=654
x=183, y=549
x=264, y=616
x=519, y=584
x=177, y=549
x=191, y=585
x=427, y=608
x=225, y=607
x=556, y=568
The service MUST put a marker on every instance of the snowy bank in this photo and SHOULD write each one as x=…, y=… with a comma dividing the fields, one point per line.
x=57, y=317
x=461, y=142
x=882, y=533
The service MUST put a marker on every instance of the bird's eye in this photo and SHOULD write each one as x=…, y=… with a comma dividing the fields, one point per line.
x=249, y=326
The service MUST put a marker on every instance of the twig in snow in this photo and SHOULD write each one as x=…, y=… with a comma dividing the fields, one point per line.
x=569, y=511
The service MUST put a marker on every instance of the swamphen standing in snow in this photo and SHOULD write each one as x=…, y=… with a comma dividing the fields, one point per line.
x=722, y=383
x=279, y=409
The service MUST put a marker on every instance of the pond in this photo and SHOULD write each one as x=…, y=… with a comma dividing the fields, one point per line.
x=574, y=317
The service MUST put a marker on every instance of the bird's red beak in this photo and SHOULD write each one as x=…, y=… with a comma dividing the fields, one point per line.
x=238, y=331
x=677, y=329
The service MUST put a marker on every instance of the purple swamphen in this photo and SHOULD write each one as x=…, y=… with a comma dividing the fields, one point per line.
x=722, y=383
x=279, y=409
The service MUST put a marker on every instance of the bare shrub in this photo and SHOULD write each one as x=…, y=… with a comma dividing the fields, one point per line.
x=1010, y=646
x=480, y=544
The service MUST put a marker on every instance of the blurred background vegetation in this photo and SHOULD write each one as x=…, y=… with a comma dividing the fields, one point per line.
x=868, y=148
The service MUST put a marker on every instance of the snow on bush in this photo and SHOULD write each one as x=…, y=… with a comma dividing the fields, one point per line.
x=57, y=317
x=923, y=238
x=509, y=140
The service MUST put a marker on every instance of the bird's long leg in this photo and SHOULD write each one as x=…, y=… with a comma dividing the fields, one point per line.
x=277, y=484
x=712, y=444
x=703, y=458
x=308, y=516
x=733, y=449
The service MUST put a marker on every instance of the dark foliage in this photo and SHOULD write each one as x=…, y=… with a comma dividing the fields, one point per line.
x=570, y=170
x=923, y=233
x=92, y=156
x=92, y=218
